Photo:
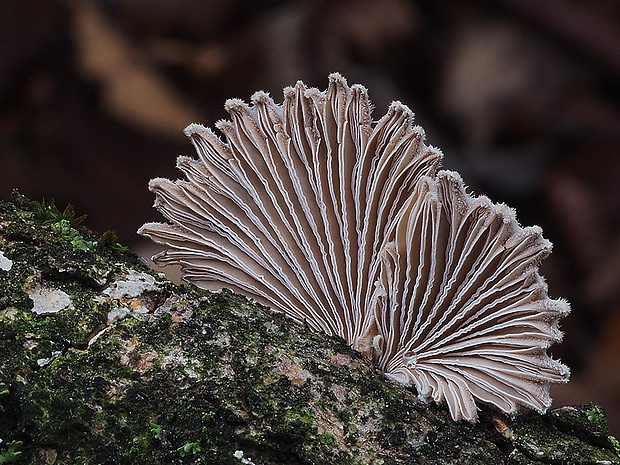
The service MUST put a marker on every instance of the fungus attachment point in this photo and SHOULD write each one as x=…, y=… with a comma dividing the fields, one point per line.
x=314, y=210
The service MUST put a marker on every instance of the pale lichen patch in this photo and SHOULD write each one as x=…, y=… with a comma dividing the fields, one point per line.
x=244, y=460
x=136, y=308
x=122, y=312
x=47, y=300
x=177, y=308
x=177, y=358
x=7, y=314
x=5, y=263
x=46, y=361
x=131, y=285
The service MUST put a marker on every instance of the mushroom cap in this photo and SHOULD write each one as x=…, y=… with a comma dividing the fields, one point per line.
x=345, y=224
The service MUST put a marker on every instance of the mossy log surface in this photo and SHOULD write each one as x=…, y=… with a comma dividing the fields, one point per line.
x=103, y=361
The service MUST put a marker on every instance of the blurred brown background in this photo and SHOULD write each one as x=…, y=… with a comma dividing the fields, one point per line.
x=521, y=95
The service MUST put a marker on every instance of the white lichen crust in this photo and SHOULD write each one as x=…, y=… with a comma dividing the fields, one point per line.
x=344, y=224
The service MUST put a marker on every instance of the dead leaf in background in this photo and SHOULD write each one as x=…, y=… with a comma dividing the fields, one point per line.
x=201, y=60
x=132, y=90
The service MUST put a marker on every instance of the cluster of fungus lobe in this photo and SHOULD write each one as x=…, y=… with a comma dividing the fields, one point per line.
x=345, y=224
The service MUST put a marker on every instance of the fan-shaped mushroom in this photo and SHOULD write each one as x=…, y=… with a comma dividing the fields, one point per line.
x=343, y=223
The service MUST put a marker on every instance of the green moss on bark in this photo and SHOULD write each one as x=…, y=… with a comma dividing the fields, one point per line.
x=133, y=369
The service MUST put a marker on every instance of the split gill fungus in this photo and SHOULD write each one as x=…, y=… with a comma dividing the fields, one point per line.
x=344, y=223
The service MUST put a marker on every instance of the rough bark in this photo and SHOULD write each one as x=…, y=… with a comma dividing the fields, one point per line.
x=103, y=361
